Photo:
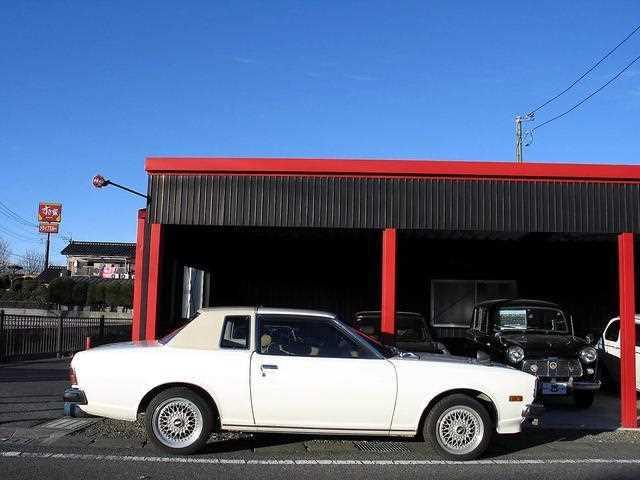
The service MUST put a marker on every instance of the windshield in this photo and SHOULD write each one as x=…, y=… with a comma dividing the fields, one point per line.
x=532, y=318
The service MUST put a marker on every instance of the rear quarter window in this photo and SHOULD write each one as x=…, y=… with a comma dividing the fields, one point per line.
x=236, y=332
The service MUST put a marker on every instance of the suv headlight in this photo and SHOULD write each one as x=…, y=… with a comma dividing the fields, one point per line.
x=588, y=354
x=515, y=354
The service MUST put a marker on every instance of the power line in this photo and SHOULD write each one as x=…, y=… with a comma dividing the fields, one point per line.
x=6, y=211
x=588, y=96
x=593, y=67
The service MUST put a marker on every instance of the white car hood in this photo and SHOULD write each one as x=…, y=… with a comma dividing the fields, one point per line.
x=449, y=359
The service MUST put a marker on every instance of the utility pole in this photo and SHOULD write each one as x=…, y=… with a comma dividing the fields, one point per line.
x=46, y=252
x=529, y=117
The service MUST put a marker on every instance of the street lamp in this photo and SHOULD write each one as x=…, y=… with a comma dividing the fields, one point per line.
x=99, y=182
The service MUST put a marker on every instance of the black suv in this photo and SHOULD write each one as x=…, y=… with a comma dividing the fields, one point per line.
x=412, y=332
x=537, y=337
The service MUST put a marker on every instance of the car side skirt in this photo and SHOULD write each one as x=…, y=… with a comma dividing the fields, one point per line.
x=319, y=431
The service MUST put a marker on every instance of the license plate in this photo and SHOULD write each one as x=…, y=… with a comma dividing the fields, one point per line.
x=554, y=388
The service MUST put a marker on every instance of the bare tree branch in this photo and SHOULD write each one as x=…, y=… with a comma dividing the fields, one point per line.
x=32, y=262
x=5, y=254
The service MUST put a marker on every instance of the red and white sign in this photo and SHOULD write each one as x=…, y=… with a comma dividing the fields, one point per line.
x=49, y=212
x=48, y=227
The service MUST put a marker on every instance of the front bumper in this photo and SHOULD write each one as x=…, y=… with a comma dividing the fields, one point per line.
x=74, y=395
x=532, y=413
x=571, y=386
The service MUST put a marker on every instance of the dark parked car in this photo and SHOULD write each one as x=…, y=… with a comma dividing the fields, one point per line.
x=412, y=331
x=537, y=337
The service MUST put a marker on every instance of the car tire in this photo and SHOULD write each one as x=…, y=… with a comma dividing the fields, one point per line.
x=583, y=399
x=179, y=421
x=458, y=427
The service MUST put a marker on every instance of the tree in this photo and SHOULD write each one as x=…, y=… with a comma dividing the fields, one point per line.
x=5, y=254
x=32, y=262
x=61, y=291
x=95, y=295
x=126, y=293
x=79, y=293
x=112, y=294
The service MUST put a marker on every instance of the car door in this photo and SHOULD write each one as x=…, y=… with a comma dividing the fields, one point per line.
x=311, y=373
x=611, y=348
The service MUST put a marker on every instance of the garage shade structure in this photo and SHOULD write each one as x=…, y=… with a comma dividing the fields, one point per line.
x=390, y=197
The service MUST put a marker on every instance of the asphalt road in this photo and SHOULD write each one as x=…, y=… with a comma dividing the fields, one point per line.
x=30, y=396
x=36, y=465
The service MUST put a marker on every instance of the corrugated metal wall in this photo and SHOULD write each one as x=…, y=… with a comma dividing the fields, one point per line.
x=412, y=203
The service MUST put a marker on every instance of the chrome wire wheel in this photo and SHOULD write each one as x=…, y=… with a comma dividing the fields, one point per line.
x=459, y=430
x=177, y=422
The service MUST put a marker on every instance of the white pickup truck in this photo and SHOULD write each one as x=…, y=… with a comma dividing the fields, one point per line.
x=297, y=371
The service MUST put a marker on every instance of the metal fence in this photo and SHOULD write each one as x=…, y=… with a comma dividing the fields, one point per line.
x=30, y=336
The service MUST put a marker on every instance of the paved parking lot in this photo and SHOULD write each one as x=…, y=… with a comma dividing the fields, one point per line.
x=33, y=439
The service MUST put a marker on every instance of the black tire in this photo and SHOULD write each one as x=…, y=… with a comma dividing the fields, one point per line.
x=441, y=411
x=196, y=410
x=583, y=399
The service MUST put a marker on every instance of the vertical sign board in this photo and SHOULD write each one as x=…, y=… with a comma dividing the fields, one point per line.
x=49, y=212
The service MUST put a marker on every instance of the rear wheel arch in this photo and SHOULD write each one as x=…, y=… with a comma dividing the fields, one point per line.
x=483, y=398
x=151, y=394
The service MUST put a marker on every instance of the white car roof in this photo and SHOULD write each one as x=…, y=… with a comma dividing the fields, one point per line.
x=618, y=318
x=293, y=311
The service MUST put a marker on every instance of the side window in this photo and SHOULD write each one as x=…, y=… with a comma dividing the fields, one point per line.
x=613, y=332
x=235, y=332
x=637, y=336
x=306, y=337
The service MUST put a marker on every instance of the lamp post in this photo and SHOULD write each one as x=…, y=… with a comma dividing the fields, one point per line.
x=99, y=182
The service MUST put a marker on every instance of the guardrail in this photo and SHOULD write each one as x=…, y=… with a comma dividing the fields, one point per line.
x=29, y=336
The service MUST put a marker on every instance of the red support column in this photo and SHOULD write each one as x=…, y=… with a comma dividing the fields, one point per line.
x=137, y=281
x=153, y=280
x=626, y=269
x=388, y=308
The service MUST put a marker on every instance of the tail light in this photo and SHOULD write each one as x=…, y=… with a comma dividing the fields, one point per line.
x=72, y=376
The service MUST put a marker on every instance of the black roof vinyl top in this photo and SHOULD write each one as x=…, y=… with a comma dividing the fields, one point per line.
x=100, y=249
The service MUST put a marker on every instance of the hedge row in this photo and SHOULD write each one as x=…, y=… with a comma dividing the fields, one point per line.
x=112, y=293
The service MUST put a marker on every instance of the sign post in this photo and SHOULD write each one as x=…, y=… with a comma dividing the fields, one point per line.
x=49, y=218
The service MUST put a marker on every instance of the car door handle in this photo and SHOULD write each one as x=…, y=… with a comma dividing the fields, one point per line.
x=269, y=367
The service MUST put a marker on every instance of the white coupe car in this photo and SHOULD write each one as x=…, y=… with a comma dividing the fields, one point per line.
x=297, y=371
x=609, y=346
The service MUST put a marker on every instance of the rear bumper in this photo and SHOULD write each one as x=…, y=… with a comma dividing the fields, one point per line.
x=74, y=395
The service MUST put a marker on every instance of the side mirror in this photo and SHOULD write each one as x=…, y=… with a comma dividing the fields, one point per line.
x=482, y=357
x=589, y=338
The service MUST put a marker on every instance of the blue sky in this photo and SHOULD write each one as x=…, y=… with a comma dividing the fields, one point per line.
x=88, y=87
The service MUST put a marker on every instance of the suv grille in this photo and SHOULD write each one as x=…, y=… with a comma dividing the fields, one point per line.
x=551, y=367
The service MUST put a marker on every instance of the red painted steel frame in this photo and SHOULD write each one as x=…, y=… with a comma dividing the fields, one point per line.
x=401, y=168
x=154, y=279
x=137, y=283
x=628, y=413
x=388, y=307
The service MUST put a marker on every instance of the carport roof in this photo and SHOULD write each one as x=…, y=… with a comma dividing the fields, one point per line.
x=401, y=168
x=503, y=197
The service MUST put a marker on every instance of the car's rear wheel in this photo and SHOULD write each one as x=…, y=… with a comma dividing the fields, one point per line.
x=583, y=399
x=179, y=421
x=458, y=427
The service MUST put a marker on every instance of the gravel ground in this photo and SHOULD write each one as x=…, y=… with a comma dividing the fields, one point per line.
x=117, y=429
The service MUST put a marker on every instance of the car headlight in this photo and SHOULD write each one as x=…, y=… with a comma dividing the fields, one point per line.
x=515, y=354
x=588, y=354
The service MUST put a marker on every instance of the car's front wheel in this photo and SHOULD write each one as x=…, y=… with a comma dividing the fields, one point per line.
x=458, y=427
x=179, y=421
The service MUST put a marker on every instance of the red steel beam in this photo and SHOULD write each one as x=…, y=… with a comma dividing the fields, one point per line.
x=388, y=307
x=626, y=270
x=153, y=280
x=400, y=168
x=137, y=282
